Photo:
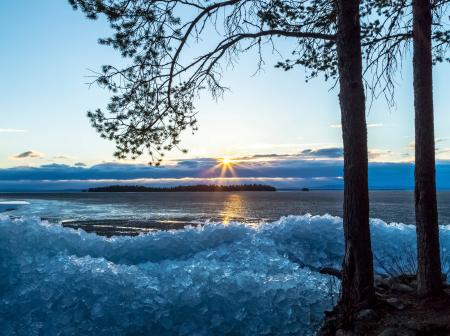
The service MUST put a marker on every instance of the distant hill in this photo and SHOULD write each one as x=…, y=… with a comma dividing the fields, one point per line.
x=198, y=187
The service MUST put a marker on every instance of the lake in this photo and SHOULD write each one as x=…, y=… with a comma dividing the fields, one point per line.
x=129, y=213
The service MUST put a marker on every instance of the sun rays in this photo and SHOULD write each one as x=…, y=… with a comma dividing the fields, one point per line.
x=224, y=167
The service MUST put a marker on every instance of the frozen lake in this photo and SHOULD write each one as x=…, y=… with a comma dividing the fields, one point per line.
x=115, y=212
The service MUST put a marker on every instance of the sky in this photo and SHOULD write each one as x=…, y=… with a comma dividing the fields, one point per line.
x=275, y=127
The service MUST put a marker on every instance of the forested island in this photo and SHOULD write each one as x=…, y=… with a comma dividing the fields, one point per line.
x=198, y=187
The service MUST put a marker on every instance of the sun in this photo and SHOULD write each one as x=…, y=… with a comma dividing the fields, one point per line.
x=226, y=161
x=226, y=167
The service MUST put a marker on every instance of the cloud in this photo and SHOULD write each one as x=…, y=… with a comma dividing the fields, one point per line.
x=320, y=167
x=203, y=168
x=62, y=157
x=443, y=154
x=12, y=130
x=368, y=125
x=28, y=154
x=196, y=163
x=284, y=174
x=336, y=126
x=55, y=166
x=282, y=171
x=73, y=185
x=412, y=144
x=271, y=145
x=378, y=154
x=327, y=152
x=264, y=157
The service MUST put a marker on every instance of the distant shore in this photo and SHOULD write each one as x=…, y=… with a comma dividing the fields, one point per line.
x=198, y=187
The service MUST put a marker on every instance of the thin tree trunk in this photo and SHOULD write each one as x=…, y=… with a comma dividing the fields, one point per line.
x=357, y=272
x=429, y=266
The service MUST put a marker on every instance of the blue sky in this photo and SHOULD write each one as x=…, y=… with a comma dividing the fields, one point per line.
x=271, y=119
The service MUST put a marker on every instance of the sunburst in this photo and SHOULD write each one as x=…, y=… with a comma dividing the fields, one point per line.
x=226, y=167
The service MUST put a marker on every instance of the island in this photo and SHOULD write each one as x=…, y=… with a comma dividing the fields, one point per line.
x=198, y=187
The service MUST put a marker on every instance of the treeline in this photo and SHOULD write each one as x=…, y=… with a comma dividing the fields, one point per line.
x=198, y=187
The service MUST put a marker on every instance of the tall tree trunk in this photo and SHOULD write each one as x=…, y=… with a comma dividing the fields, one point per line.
x=357, y=279
x=429, y=266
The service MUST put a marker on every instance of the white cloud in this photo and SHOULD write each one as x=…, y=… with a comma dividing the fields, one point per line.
x=443, y=154
x=368, y=125
x=268, y=146
x=63, y=157
x=336, y=126
x=380, y=155
x=12, y=130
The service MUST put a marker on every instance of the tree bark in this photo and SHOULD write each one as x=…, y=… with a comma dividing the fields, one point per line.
x=429, y=266
x=357, y=272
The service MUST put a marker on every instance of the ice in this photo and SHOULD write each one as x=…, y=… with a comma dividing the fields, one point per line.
x=199, y=281
x=217, y=279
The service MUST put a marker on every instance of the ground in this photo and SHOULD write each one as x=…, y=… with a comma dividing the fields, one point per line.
x=398, y=311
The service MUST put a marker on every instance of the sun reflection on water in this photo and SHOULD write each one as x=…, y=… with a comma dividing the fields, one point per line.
x=234, y=208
